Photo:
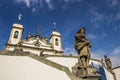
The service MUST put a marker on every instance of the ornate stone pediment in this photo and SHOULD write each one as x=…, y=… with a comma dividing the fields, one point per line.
x=36, y=43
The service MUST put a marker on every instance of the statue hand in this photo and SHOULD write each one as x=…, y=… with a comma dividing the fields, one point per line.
x=88, y=44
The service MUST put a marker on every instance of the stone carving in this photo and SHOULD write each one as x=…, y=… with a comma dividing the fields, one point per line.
x=41, y=53
x=108, y=62
x=82, y=45
x=36, y=43
x=18, y=47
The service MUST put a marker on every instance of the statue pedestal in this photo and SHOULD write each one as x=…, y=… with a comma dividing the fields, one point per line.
x=91, y=74
x=89, y=77
x=86, y=74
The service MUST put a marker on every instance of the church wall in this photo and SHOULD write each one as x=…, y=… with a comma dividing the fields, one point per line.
x=37, y=51
x=10, y=48
x=34, y=50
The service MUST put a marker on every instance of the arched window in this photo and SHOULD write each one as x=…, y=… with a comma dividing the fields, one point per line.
x=56, y=41
x=16, y=34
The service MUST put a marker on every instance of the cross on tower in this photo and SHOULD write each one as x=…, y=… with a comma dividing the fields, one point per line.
x=54, y=24
x=19, y=18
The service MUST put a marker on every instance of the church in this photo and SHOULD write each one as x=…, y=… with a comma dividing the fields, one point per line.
x=34, y=44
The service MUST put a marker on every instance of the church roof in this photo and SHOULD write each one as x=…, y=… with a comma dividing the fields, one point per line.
x=17, y=25
x=56, y=33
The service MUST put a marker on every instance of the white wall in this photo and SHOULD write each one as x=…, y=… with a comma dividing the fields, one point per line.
x=70, y=62
x=117, y=73
x=25, y=68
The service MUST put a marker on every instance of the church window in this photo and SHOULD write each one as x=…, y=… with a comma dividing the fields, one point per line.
x=56, y=41
x=16, y=34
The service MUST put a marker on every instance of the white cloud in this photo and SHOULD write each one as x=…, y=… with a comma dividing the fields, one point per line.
x=91, y=36
x=96, y=36
x=103, y=35
x=72, y=0
x=117, y=28
x=69, y=50
x=66, y=0
x=115, y=56
x=33, y=10
x=35, y=4
x=49, y=3
x=112, y=3
x=117, y=16
x=115, y=60
x=116, y=51
x=26, y=2
x=96, y=16
x=98, y=54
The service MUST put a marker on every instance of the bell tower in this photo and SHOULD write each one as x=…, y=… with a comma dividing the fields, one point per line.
x=55, y=40
x=16, y=33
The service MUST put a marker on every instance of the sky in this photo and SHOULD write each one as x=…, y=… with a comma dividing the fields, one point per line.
x=101, y=19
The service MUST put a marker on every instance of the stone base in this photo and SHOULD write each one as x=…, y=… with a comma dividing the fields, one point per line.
x=90, y=77
x=87, y=74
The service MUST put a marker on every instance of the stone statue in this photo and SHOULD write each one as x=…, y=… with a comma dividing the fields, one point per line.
x=108, y=62
x=82, y=45
x=82, y=68
x=41, y=53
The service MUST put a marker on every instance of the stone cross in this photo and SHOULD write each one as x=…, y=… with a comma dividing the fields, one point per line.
x=19, y=17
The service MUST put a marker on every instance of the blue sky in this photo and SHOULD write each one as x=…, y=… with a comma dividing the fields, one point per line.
x=101, y=18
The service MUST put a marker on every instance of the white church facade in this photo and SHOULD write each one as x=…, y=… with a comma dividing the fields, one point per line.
x=34, y=44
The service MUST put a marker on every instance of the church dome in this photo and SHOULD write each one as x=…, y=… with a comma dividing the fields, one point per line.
x=56, y=33
x=17, y=25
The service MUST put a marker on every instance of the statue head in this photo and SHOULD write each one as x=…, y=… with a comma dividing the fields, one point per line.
x=105, y=56
x=82, y=31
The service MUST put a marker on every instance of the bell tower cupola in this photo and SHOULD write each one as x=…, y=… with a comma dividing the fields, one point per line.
x=16, y=32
